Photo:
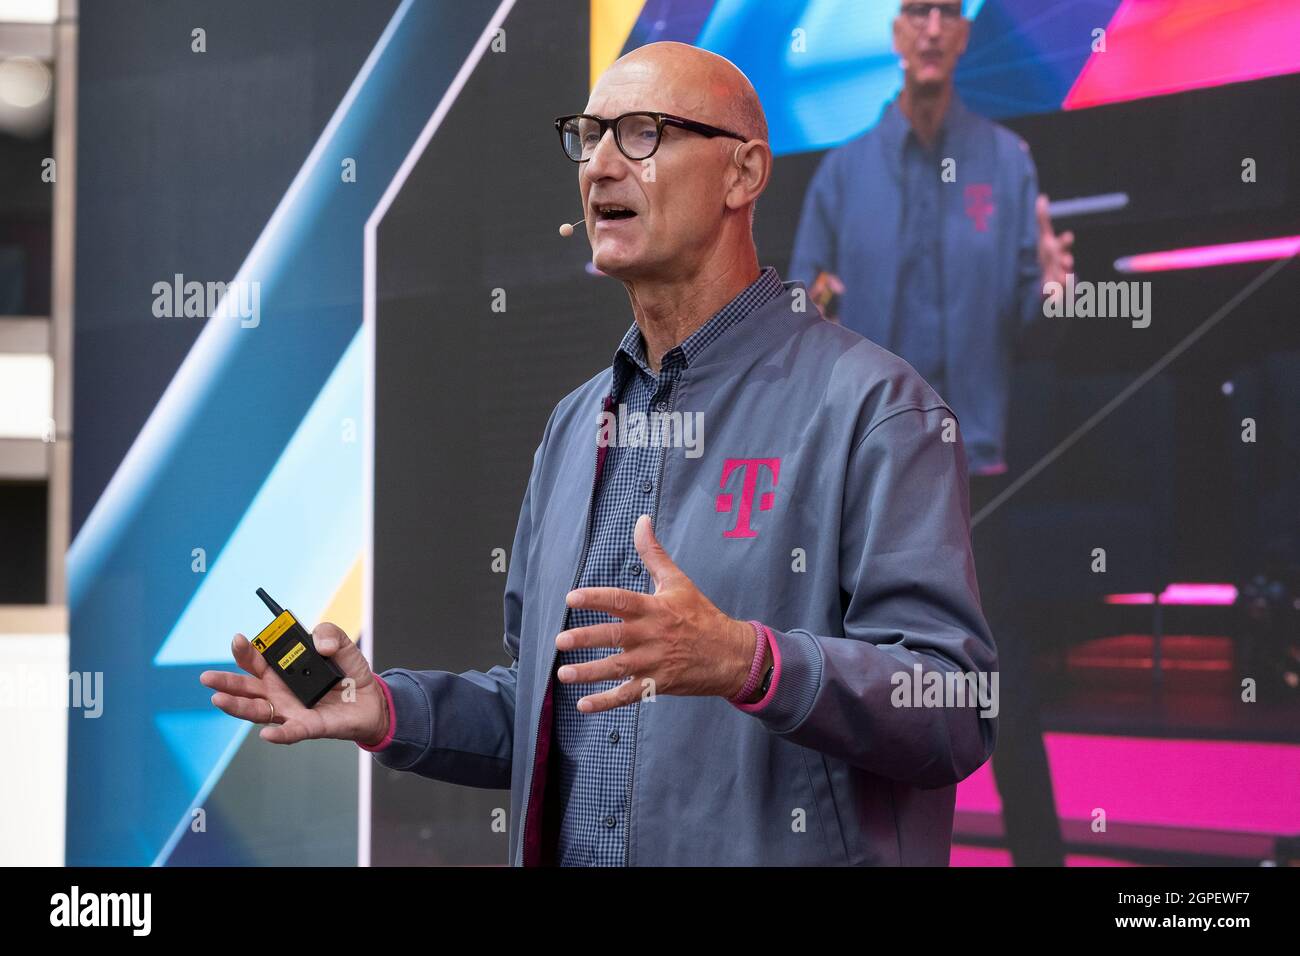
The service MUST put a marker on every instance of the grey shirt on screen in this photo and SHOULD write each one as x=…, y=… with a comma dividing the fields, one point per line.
x=938, y=253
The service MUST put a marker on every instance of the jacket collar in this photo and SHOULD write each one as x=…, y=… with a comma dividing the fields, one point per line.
x=764, y=329
x=631, y=355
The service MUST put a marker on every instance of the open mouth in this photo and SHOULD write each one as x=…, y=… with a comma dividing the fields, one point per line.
x=612, y=212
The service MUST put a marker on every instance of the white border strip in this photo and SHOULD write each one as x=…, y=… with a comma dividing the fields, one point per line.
x=367, y=643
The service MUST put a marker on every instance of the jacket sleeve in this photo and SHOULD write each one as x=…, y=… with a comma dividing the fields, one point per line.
x=907, y=579
x=460, y=727
x=815, y=241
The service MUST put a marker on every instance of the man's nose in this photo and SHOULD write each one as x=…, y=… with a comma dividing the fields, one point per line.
x=606, y=161
x=934, y=23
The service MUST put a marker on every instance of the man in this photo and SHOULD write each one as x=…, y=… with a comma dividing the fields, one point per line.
x=929, y=236
x=709, y=646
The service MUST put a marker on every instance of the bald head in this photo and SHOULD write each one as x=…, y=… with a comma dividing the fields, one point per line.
x=689, y=205
x=697, y=84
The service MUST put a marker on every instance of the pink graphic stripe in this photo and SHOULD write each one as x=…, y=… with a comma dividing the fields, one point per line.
x=1201, y=784
x=1221, y=595
x=1200, y=257
x=1156, y=47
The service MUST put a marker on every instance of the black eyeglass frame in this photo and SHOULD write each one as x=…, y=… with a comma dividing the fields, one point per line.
x=661, y=120
x=948, y=13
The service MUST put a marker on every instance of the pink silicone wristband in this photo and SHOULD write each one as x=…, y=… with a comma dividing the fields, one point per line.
x=761, y=704
x=392, y=719
x=756, y=667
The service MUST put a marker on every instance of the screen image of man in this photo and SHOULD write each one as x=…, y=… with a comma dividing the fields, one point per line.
x=927, y=235
x=741, y=611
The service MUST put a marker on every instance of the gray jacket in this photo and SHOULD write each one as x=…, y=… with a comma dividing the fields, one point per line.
x=842, y=524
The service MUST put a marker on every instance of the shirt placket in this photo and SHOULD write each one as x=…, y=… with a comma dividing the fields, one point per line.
x=601, y=749
x=619, y=726
x=649, y=477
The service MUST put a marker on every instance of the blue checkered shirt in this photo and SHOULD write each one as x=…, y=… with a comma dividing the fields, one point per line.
x=595, y=751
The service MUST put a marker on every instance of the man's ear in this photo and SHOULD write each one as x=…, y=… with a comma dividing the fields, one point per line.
x=898, y=42
x=752, y=169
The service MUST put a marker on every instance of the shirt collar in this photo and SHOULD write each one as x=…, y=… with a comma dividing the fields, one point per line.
x=631, y=353
x=896, y=129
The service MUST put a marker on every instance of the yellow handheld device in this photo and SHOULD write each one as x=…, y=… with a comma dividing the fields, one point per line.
x=288, y=648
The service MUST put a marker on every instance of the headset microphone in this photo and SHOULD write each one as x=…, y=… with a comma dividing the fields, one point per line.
x=566, y=230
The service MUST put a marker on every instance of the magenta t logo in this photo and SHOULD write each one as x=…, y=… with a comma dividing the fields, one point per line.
x=979, y=204
x=751, y=468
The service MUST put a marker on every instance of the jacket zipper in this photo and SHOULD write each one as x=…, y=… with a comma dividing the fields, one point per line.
x=636, y=719
x=577, y=576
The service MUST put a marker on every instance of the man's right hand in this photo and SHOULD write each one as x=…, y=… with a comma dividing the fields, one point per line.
x=354, y=709
x=825, y=292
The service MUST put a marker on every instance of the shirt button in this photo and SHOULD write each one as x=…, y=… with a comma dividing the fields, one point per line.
x=662, y=406
x=637, y=569
x=611, y=822
x=647, y=486
x=613, y=736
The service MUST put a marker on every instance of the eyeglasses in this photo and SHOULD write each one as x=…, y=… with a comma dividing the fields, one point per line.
x=919, y=13
x=637, y=135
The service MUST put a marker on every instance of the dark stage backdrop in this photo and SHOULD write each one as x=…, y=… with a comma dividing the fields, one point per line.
x=185, y=158
x=463, y=390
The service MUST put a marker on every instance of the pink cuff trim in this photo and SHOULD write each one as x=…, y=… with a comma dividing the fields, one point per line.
x=776, y=677
x=392, y=718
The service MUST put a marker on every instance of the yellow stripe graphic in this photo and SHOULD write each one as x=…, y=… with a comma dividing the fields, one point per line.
x=611, y=23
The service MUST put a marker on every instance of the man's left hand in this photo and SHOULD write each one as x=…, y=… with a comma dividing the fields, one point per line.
x=1054, y=255
x=673, y=641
